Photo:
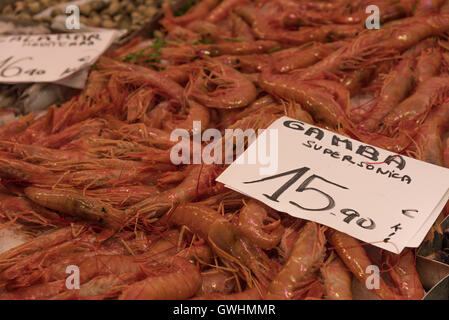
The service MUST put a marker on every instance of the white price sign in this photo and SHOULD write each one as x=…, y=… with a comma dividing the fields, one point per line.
x=50, y=57
x=379, y=197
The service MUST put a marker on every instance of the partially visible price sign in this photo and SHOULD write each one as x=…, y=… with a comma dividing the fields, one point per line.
x=385, y=199
x=50, y=58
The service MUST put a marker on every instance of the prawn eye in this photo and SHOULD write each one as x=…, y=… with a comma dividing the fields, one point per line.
x=103, y=210
x=381, y=124
x=100, y=220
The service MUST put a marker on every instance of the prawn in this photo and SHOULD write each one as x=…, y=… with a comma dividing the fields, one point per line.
x=139, y=75
x=411, y=112
x=198, y=181
x=337, y=279
x=42, y=259
x=325, y=100
x=123, y=196
x=119, y=149
x=179, y=73
x=92, y=264
x=355, y=258
x=78, y=206
x=306, y=256
x=12, y=207
x=428, y=140
x=198, y=11
x=196, y=112
x=240, y=29
x=357, y=79
x=157, y=116
x=373, y=46
x=304, y=56
x=108, y=286
x=399, y=83
x=141, y=133
x=289, y=238
x=89, y=127
x=162, y=248
x=262, y=25
x=19, y=170
x=428, y=64
x=182, y=281
x=251, y=224
x=230, y=89
x=225, y=239
x=89, y=179
x=222, y=10
x=36, y=153
x=138, y=103
x=201, y=253
x=178, y=33
x=246, y=63
x=216, y=282
x=42, y=242
x=237, y=48
x=404, y=275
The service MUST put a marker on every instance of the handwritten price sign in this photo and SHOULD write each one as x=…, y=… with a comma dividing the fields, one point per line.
x=49, y=58
x=388, y=200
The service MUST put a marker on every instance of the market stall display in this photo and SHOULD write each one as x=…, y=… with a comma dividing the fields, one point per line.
x=93, y=181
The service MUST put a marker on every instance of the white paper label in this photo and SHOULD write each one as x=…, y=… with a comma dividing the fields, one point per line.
x=49, y=57
x=372, y=194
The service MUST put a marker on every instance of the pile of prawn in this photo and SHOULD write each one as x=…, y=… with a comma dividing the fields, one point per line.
x=93, y=183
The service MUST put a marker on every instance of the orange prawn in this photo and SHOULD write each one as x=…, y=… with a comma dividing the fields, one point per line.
x=198, y=181
x=325, y=100
x=78, y=206
x=428, y=64
x=251, y=224
x=355, y=258
x=198, y=11
x=223, y=87
x=42, y=242
x=182, y=282
x=216, y=282
x=428, y=140
x=405, y=276
x=395, y=89
x=306, y=257
x=337, y=279
x=411, y=112
x=302, y=57
x=237, y=48
x=195, y=112
x=142, y=76
x=223, y=236
x=12, y=208
x=222, y=10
